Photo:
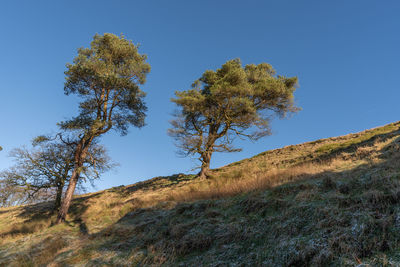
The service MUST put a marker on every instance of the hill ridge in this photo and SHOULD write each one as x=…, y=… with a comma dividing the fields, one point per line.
x=333, y=201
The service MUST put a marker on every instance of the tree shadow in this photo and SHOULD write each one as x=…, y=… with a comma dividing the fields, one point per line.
x=39, y=216
x=154, y=183
x=352, y=147
x=81, y=224
x=340, y=148
x=368, y=194
x=330, y=204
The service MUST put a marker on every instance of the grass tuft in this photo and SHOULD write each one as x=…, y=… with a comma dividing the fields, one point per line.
x=331, y=202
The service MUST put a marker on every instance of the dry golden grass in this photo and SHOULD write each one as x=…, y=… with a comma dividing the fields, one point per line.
x=95, y=218
x=252, y=177
x=290, y=164
x=226, y=186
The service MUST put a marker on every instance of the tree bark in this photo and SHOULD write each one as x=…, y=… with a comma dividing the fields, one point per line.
x=62, y=213
x=57, y=203
x=205, y=166
x=80, y=155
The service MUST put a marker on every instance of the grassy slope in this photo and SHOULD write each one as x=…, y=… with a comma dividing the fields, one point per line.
x=332, y=202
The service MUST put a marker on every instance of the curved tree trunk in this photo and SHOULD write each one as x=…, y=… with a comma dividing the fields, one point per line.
x=205, y=166
x=62, y=213
x=80, y=155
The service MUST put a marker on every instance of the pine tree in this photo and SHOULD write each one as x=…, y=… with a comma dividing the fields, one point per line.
x=107, y=77
x=233, y=101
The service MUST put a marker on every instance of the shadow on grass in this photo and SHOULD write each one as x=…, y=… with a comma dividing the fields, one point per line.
x=154, y=183
x=339, y=148
x=332, y=149
x=322, y=219
x=39, y=216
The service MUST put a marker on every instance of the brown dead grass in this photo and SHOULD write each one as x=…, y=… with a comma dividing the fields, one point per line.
x=220, y=187
x=100, y=213
x=291, y=164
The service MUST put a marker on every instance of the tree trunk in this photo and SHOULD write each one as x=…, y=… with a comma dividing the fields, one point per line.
x=57, y=203
x=62, y=213
x=80, y=155
x=205, y=165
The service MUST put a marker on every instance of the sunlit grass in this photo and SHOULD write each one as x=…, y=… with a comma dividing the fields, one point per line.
x=313, y=203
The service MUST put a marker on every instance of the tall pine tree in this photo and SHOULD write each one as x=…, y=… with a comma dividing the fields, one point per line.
x=106, y=76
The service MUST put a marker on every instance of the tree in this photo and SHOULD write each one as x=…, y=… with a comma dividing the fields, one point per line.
x=41, y=173
x=233, y=101
x=107, y=77
x=11, y=195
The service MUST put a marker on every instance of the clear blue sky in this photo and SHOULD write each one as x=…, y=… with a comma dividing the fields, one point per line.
x=345, y=53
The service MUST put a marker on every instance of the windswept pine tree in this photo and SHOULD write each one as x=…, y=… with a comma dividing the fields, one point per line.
x=106, y=76
x=233, y=101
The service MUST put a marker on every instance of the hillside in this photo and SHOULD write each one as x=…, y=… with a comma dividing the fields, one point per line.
x=331, y=202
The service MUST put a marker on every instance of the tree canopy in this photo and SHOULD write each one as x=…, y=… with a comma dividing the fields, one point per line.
x=233, y=101
x=107, y=77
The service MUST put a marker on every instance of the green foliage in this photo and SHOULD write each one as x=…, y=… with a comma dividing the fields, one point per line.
x=233, y=101
x=106, y=76
x=40, y=139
